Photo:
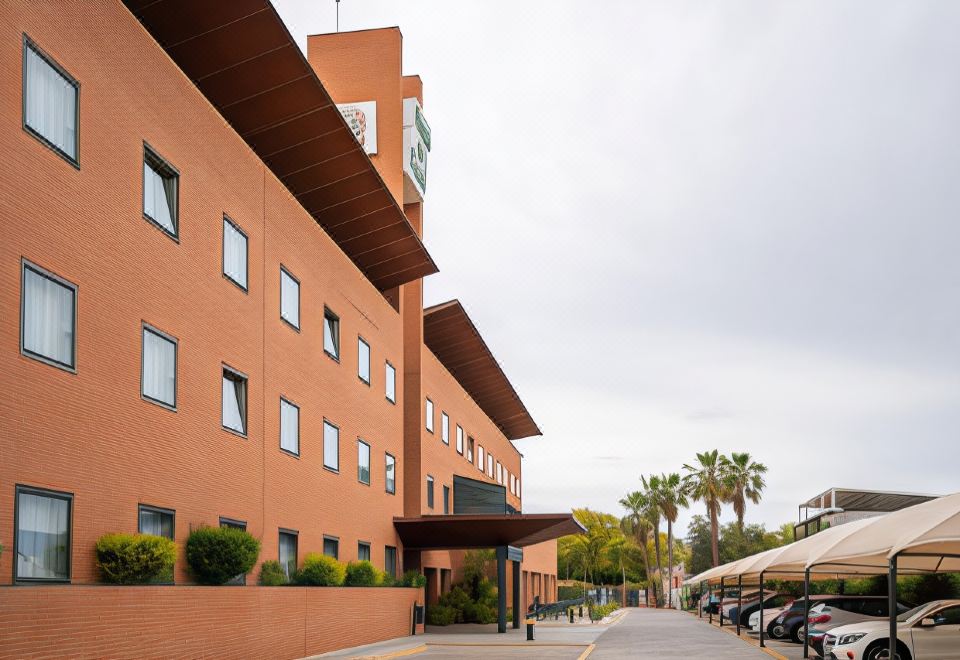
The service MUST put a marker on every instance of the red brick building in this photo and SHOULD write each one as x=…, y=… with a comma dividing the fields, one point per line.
x=211, y=302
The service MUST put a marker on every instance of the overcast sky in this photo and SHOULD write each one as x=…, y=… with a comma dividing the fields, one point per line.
x=693, y=225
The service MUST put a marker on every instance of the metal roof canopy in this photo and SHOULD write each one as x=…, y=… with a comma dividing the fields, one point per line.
x=852, y=499
x=454, y=532
x=240, y=55
x=450, y=334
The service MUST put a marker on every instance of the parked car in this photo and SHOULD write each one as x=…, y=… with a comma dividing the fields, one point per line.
x=713, y=606
x=927, y=632
x=790, y=624
x=730, y=604
x=769, y=614
x=771, y=599
x=825, y=617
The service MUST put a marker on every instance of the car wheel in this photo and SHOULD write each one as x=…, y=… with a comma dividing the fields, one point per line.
x=881, y=651
x=796, y=633
x=776, y=631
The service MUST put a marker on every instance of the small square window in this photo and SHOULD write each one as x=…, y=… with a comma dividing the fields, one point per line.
x=43, y=535
x=156, y=521
x=288, y=552
x=391, y=474
x=289, y=298
x=363, y=360
x=234, y=253
x=331, y=446
x=160, y=191
x=459, y=439
x=158, y=375
x=331, y=334
x=234, y=401
x=331, y=546
x=445, y=428
x=363, y=462
x=391, y=383
x=48, y=327
x=363, y=551
x=390, y=561
x=429, y=415
x=429, y=491
x=289, y=427
x=51, y=108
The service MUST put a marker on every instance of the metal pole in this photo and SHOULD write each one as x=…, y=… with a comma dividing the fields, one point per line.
x=806, y=613
x=700, y=601
x=723, y=592
x=892, y=598
x=761, y=610
x=709, y=604
x=739, y=602
x=501, y=589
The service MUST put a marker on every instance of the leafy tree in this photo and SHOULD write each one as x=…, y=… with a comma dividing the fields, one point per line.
x=744, y=481
x=651, y=490
x=698, y=542
x=737, y=542
x=706, y=483
x=637, y=524
x=670, y=496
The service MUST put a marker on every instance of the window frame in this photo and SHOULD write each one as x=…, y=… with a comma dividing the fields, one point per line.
x=30, y=44
x=295, y=534
x=396, y=558
x=224, y=367
x=283, y=400
x=499, y=473
x=369, y=547
x=369, y=480
x=480, y=465
x=369, y=378
x=146, y=327
x=391, y=380
x=43, y=272
x=446, y=500
x=227, y=220
x=160, y=163
x=445, y=428
x=334, y=539
x=386, y=481
x=41, y=492
x=157, y=509
x=327, y=422
x=430, y=488
x=428, y=418
x=460, y=440
x=329, y=313
x=286, y=271
x=471, y=445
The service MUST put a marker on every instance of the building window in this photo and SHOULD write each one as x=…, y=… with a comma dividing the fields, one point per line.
x=429, y=415
x=490, y=465
x=429, y=491
x=156, y=521
x=288, y=552
x=459, y=439
x=234, y=401
x=331, y=546
x=51, y=109
x=445, y=428
x=480, y=457
x=160, y=191
x=331, y=446
x=391, y=474
x=363, y=551
x=363, y=462
x=390, y=561
x=43, y=539
x=446, y=500
x=499, y=473
x=512, y=483
x=234, y=253
x=289, y=427
x=289, y=298
x=363, y=360
x=470, y=449
x=158, y=369
x=235, y=524
x=48, y=309
x=518, y=488
x=331, y=334
x=391, y=383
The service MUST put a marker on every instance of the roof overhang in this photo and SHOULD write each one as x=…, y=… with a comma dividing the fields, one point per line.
x=484, y=531
x=853, y=499
x=240, y=55
x=450, y=334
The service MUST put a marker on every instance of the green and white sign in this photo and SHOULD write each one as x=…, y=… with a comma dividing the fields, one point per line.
x=362, y=119
x=416, y=148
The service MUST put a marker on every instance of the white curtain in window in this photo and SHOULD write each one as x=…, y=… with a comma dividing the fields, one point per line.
x=391, y=478
x=159, y=368
x=233, y=404
x=157, y=523
x=363, y=360
x=51, y=104
x=234, y=254
x=158, y=198
x=43, y=537
x=289, y=299
x=331, y=446
x=48, y=313
x=331, y=336
x=288, y=553
x=391, y=379
x=363, y=462
x=429, y=415
x=289, y=427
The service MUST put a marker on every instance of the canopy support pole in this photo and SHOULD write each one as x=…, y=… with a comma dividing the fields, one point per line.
x=710, y=604
x=806, y=613
x=700, y=601
x=501, y=589
x=761, y=609
x=739, y=602
x=723, y=592
x=892, y=604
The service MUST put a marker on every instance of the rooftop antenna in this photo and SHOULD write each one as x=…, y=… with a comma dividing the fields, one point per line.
x=338, y=15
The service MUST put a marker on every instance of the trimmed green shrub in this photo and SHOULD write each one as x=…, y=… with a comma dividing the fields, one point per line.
x=441, y=615
x=413, y=579
x=321, y=571
x=271, y=574
x=598, y=612
x=135, y=558
x=362, y=574
x=389, y=580
x=217, y=555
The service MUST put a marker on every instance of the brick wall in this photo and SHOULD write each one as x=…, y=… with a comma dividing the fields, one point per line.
x=192, y=622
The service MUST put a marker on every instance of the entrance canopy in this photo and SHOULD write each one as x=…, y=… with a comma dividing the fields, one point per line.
x=484, y=531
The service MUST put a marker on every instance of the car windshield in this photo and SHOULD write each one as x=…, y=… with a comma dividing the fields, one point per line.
x=910, y=614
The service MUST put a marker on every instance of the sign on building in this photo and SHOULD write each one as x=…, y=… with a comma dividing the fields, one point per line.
x=416, y=148
x=362, y=119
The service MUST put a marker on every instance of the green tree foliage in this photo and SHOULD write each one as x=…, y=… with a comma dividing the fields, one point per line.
x=216, y=555
x=737, y=542
x=706, y=482
x=135, y=558
x=744, y=478
x=362, y=574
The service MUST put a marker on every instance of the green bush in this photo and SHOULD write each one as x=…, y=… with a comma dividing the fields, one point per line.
x=569, y=593
x=362, y=574
x=389, y=580
x=135, y=558
x=271, y=574
x=321, y=571
x=217, y=555
x=413, y=579
x=598, y=612
x=441, y=615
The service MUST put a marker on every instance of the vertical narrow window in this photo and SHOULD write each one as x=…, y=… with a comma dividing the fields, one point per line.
x=234, y=401
x=390, y=561
x=490, y=465
x=445, y=428
x=480, y=457
x=363, y=360
x=331, y=334
x=470, y=444
x=158, y=376
x=446, y=500
x=42, y=543
x=331, y=446
x=459, y=439
x=518, y=489
x=499, y=473
x=512, y=483
x=331, y=546
x=363, y=462
x=50, y=103
x=289, y=427
x=429, y=491
x=48, y=328
x=289, y=298
x=363, y=551
x=160, y=191
x=391, y=474
x=429, y=415
x=234, y=253
x=287, y=552
x=391, y=383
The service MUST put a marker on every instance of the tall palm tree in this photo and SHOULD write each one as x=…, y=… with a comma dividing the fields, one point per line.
x=651, y=490
x=745, y=482
x=672, y=497
x=706, y=483
x=637, y=525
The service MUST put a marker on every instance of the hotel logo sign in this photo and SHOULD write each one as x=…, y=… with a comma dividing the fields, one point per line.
x=362, y=119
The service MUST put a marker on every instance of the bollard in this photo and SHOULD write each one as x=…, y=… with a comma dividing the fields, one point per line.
x=530, y=623
x=581, y=611
x=571, y=615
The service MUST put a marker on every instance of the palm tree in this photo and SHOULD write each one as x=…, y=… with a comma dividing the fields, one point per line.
x=744, y=480
x=637, y=524
x=706, y=483
x=672, y=497
x=651, y=490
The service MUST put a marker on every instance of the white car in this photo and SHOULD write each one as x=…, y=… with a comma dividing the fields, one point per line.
x=769, y=615
x=928, y=632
